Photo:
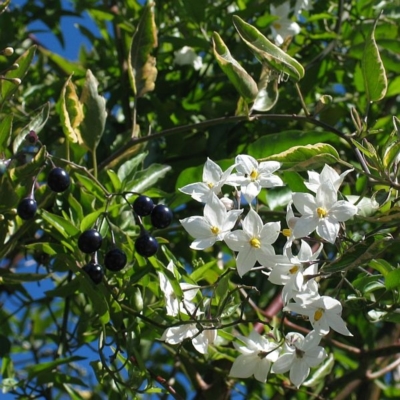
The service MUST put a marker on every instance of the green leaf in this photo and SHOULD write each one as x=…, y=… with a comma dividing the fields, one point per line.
x=5, y=131
x=392, y=280
x=369, y=283
x=116, y=183
x=35, y=124
x=90, y=219
x=5, y=345
x=64, y=290
x=36, y=369
x=145, y=179
x=391, y=156
x=373, y=70
x=303, y=158
x=63, y=65
x=141, y=64
x=90, y=185
x=127, y=170
x=243, y=82
x=8, y=197
x=62, y=225
x=94, y=120
x=7, y=88
x=267, y=52
x=71, y=112
x=11, y=278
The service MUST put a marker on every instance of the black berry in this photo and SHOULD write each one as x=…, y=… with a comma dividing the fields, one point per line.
x=27, y=208
x=95, y=272
x=115, y=260
x=90, y=241
x=161, y=216
x=58, y=180
x=146, y=245
x=143, y=206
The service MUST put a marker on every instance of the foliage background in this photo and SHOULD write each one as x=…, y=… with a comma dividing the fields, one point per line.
x=191, y=114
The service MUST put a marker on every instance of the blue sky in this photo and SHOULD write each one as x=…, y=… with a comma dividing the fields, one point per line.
x=73, y=38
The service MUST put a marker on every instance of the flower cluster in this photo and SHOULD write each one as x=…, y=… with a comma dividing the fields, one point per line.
x=252, y=242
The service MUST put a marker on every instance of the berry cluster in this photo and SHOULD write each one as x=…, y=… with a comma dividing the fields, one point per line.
x=89, y=242
x=160, y=216
x=58, y=181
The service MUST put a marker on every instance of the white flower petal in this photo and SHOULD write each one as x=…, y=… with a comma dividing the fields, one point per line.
x=304, y=203
x=252, y=224
x=237, y=240
x=243, y=366
x=283, y=363
x=328, y=229
x=198, y=191
x=212, y=172
x=245, y=260
x=343, y=210
x=261, y=372
x=298, y=373
x=305, y=225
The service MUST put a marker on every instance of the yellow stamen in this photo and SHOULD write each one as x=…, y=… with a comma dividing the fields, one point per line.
x=215, y=230
x=210, y=185
x=255, y=243
x=294, y=269
x=254, y=175
x=286, y=232
x=318, y=314
x=322, y=213
x=277, y=26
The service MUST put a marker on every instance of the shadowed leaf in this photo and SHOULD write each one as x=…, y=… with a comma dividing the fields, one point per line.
x=142, y=66
x=243, y=82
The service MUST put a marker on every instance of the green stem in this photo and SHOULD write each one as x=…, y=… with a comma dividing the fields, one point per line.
x=94, y=164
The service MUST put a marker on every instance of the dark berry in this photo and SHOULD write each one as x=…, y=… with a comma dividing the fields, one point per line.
x=90, y=241
x=161, y=216
x=115, y=260
x=95, y=272
x=58, y=180
x=146, y=245
x=143, y=206
x=27, y=208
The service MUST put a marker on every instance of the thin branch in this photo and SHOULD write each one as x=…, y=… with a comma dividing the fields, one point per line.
x=218, y=121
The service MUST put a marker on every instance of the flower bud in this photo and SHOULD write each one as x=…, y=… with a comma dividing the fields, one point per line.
x=32, y=137
x=8, y=51
x=228, y=203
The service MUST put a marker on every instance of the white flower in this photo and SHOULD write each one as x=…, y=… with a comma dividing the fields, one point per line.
x=315, y=180
x=284, y=26
x=253, y=242
x=187, y=56
x=173, y=305
x=288, y=232
x=200, y=340
x=252, y=176
x=213, y=180
x=215, y=224
x=322, y=213
x=291, y=272
x=257, y=355
x=300, y=355
x=302, y=5
x=324, y=312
